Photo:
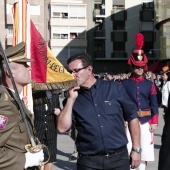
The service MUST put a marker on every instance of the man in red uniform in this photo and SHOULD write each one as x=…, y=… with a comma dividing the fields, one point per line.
x=143, y=93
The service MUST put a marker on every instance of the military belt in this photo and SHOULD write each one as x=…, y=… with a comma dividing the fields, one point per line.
x=144, y=113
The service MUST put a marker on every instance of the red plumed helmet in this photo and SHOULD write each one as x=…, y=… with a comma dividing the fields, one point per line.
x=138, y=58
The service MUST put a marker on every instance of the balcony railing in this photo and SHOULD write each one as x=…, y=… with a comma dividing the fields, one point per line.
x=98, y=1
x=119, y=36
x=99, y=54
x=119, y=54
x=99, y=33
x=98, y=12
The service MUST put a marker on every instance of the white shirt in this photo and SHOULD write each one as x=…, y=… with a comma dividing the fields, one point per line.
x=165, y=93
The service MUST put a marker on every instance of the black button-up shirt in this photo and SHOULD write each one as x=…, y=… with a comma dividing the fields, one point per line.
x=99, y=114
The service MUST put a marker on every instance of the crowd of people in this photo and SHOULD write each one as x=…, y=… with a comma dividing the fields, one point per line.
x=114, y=116
x=159, y=79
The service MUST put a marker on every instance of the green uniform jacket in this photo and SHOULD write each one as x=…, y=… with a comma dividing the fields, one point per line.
x=13, y=134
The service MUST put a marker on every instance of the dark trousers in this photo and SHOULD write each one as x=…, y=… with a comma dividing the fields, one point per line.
x=164, y=152
x=116, y=161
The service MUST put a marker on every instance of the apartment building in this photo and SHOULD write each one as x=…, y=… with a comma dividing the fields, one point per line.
x=115, y=30
x=68, y=28
x=162, y=23
x=62, y=24
x=39, y=15
x=105, y=29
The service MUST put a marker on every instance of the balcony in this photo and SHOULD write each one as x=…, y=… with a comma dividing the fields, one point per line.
x=146, y=15
x=149, y=36
x=119, y=55
x=119, y=15
x=98, y=14
x=98, y=1
x=119, y=36
x=99, y=34
x=99, y=54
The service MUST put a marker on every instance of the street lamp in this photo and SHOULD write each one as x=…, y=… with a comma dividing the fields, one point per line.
x=150, y=52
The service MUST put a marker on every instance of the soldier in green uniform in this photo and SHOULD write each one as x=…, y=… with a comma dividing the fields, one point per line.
x=13, y=132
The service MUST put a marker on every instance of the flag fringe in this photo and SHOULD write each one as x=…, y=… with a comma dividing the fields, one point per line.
x=55, y=85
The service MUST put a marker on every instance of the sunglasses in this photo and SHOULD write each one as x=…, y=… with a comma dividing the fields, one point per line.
x=140, y=67
x=76, y=70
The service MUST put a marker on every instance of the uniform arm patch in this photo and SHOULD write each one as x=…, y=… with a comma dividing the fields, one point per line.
x=3, y=121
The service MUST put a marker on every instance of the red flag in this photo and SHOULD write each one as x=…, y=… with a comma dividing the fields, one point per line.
x=47, y=72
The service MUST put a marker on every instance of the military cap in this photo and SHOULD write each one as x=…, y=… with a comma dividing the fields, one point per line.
x=16, y=54
x=138, y=57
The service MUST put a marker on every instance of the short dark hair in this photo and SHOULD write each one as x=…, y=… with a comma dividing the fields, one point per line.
x=84, y=57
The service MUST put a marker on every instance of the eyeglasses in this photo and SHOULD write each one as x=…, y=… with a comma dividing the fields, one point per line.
x=76, y=70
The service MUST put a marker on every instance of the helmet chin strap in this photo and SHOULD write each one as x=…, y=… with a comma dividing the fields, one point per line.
x=138, y=76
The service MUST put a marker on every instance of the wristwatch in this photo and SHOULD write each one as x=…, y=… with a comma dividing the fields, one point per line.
x=138, y=150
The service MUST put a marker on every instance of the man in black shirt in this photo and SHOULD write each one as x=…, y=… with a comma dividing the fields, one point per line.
x=98, y=109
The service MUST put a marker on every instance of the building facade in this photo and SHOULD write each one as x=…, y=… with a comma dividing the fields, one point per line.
x=162, y=23
x=105, y=29
x=68, y=28
x=118, y=26
x=39, y=15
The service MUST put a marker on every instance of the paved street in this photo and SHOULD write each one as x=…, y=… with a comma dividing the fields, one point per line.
x=65, y=147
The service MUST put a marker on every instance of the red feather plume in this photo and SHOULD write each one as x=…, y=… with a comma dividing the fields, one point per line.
x=139, y=41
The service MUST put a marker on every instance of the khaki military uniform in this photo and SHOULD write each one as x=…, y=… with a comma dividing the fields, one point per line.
x=13, y=133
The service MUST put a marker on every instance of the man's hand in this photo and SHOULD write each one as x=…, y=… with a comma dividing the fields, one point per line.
x=57, y=111
x=73, y=92
x=135, y=159
x=65, y=117
x=153, y=127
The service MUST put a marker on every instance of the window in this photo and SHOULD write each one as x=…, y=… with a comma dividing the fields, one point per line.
x=147, y=15
x=66, y=32
x=148, y=5
x=56, y=36
x=120, y=16
x=149, y=36
x=99, y=49
x=77, y=12
x=77, y=32
x=119, y=46
x=68, y=11
x=99, y=27
x=34, y=10
x=59, y=11
x=59, y=32
x=118, y=25
x=119, y=36
x=147, y=46
x=59, y=36
x=10, y=31
x=115, y=7
x=56, y=15
x=9, y=9
x=64, y=36
x=99, y=46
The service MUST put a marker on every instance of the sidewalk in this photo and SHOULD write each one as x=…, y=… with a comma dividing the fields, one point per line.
x=65, y=147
